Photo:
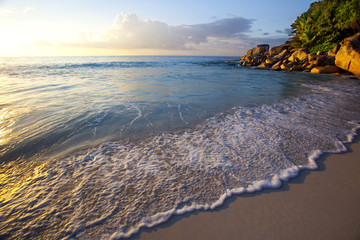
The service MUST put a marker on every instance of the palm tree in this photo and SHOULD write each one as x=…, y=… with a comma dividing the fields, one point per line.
x=305, y=29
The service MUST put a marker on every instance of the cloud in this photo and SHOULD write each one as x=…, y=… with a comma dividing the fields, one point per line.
x=227, y=36
x=6, y=12
x=287, y=31
x=10, y=14
x=128, y=31
x=27, y=9
x=223, y=28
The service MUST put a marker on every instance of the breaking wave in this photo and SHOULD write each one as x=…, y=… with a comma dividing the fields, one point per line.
x=115, y=189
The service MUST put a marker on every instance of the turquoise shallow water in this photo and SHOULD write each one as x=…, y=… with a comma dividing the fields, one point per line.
x=97, y=147
x=54, y=101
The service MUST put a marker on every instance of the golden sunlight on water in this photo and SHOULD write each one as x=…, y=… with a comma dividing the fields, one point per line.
x=11, y=129
x=5, y=123
x=15, y=177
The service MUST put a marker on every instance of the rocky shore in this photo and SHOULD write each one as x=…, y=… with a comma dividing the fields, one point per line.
x=343, y=59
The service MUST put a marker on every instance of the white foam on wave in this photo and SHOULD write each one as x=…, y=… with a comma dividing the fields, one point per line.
x=139, y=115
x=181, y=116
x=197, y=158
x=120, y=187
x=97, y=120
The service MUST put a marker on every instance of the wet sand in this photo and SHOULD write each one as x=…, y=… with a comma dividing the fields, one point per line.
x=318, y=204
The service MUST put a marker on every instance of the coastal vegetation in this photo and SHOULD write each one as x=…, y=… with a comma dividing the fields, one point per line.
x=326, y=39
x=325, y=24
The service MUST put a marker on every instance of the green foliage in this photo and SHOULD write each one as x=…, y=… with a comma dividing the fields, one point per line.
x=325, y=24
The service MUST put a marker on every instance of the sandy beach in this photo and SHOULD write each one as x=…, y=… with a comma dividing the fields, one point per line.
x=319, y=204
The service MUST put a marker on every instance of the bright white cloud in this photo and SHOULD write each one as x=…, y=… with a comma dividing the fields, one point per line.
x=5, y=14
x=128, y=31
x=9, y=13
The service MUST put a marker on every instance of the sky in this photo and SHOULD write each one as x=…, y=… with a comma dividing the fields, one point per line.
x=143, y=27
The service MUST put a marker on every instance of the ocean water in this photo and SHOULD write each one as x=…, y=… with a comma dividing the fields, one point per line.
x=99, y=147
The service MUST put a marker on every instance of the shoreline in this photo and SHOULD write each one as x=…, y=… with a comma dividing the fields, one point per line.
x=317, y=204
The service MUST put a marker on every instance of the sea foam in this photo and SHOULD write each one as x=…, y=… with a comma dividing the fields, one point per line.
x=120, y=187
x=114, y=189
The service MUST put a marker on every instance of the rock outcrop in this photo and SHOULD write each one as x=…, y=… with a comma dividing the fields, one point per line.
x=326, y=69
x=299, y=55
x=287, y=58
x=278, y=49
x=259, y=49
x=348, y=56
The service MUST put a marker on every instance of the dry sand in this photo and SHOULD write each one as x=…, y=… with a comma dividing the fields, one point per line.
x=319, y=204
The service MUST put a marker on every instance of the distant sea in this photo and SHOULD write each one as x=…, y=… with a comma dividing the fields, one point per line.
x=99, y=147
